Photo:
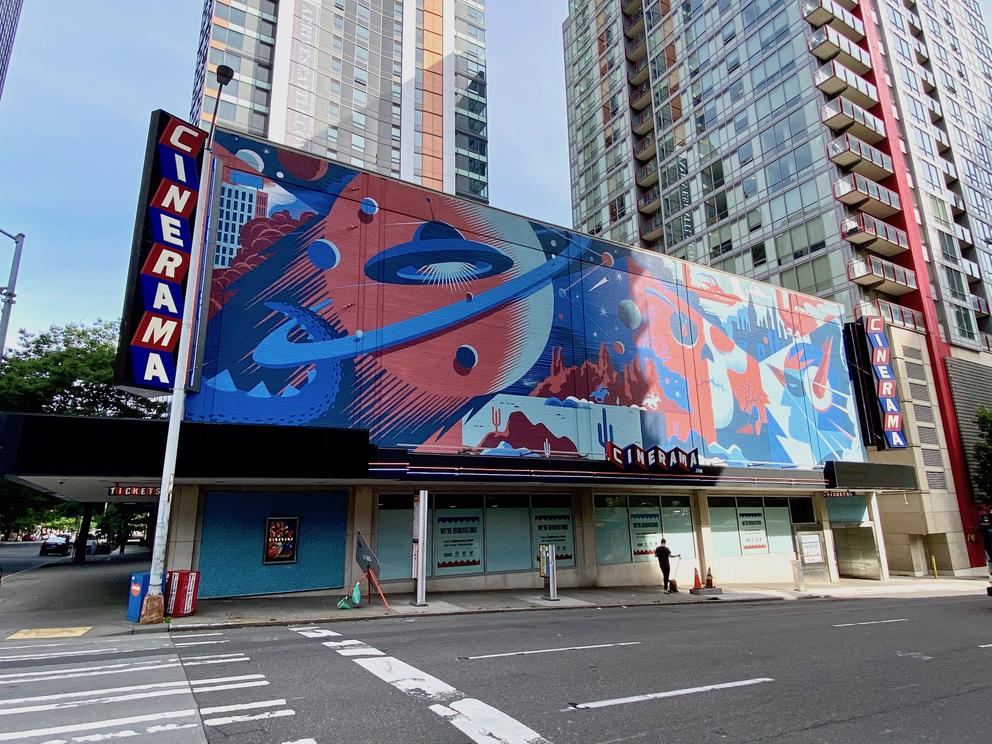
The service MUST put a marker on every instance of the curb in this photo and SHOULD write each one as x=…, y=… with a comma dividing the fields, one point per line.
x=451, y=613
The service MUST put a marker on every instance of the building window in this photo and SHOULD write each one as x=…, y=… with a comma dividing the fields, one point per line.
x=629, y=528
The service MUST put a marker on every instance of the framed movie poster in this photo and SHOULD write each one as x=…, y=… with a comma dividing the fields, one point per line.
x=282, y=536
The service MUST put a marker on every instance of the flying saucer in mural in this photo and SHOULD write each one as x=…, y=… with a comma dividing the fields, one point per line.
x=438, y=254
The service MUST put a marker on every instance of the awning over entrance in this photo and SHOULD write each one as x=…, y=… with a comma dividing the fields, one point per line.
x=81, y=458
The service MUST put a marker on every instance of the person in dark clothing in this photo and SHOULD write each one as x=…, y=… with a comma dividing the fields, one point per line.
x=663, y=554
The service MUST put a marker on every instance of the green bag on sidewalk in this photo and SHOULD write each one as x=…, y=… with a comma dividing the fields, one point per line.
x=356, y=595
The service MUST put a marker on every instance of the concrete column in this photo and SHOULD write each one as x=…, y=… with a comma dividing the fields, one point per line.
x=876, y=521
x=585, y=539
x=361, y=509
x=184, y=530
x=704, y=535
x=820, y=511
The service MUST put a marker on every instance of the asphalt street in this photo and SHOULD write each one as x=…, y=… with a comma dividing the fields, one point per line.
x=21, y=556
x=807, y=671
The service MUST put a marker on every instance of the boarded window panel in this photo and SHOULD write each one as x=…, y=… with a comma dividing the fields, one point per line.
x=923, y=413
x=936, y=480
x=915, y=371
x=932, y=458
x=910, y=353
x=919, y=391
x=927, y=435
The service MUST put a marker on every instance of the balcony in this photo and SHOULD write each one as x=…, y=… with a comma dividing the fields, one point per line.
x=652, y=228
x=645, y=147
x=637, y=48
x=950, y=172
x=829, y=13
x=643, y=122
x=848, y=151
x=915, y=27
x=902, y=316
x=943, y=142
x=842, y=115
x=637, y=73
x=963, y=234
x=920, y=48
x=630, y=6
x=929, y=81
x=835, y=79
x=827, y=44
x=980, y=305
x=986, y=340
x=936, y=112
x=866, y=195
x=877, y=273
x=647, y=174
x=971, y=270
x=634, y=24
x=640, y=96
x=957, y=203
x=875, y=235
x=650, y=201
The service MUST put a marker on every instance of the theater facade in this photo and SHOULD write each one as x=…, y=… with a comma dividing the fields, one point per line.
x=360, y=340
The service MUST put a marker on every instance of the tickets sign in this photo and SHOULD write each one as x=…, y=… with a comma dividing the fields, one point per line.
x=160, y=254
x=885, y=382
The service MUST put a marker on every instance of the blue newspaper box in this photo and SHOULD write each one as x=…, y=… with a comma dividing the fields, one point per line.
x=136, y=595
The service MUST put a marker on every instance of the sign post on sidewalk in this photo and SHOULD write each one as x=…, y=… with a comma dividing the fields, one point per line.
x=420, y=548
x=549, y=572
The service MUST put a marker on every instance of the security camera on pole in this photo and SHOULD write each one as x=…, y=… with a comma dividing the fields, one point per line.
x=153, y=607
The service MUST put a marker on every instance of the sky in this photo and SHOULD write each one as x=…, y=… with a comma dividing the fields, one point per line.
x=74, y=111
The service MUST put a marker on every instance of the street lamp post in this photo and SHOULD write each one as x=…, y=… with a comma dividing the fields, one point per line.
x=153, y=606
x=8, y=294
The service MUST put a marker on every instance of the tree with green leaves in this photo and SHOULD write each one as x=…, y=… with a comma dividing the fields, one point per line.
x=67, y=370
x=983, y=455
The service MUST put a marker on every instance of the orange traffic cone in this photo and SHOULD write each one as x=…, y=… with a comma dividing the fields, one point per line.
x=696, y=583
x=709, y=578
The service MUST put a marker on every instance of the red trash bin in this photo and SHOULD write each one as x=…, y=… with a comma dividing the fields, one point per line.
x=181, y=590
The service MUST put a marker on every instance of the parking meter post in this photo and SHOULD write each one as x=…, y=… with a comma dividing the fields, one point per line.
x=420, y=548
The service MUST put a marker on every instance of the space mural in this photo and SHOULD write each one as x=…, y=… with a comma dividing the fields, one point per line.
x=444, y=326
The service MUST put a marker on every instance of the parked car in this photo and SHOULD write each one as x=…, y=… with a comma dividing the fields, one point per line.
x=56, y=545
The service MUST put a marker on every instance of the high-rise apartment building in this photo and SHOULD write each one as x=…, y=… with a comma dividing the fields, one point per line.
x=10, y=12
x=835, y=147
x=393, y=86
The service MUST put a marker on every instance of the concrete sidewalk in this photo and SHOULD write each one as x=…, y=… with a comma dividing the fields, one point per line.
x=314, y=607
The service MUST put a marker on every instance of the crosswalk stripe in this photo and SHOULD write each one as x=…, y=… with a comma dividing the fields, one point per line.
x=241, y=706
x=256, y=717
x=94, y=725
x=18, y=678
x=240, y=685
x=200, y=643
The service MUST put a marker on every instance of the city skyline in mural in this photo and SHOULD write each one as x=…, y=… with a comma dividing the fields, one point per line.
x=439, y=325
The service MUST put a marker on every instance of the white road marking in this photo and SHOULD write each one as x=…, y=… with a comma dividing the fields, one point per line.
x=301, y=741
x=215, y=661
x=872, y=622
x=342, y=644
x=47, y=675
x=211, y=656
x=129, y=688
x=17, y=646
x=58, y=654
x=668, y=694
x=256, y=717
x=408, y=679
x=199, y=643
x=315, y=632
x=360, y=651
x=124, y=733
x=986, y=645
x=241, y=706
x=485, y=724
x=233, y=686
x=200, y=635
x=551, y=650
x=93, y=725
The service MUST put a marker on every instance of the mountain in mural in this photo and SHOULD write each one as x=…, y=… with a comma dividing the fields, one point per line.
x=599, y=380
x=522, y=433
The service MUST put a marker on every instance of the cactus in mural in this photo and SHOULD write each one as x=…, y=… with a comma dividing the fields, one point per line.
x=497, y=417
x=604, y=431
x=547, y=449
